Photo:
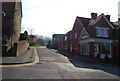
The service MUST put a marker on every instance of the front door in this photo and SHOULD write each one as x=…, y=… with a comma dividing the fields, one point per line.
x=96, y=50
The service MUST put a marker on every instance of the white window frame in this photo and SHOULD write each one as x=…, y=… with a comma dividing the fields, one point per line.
x=99, y=30
x=75, y=35
x=65, y=37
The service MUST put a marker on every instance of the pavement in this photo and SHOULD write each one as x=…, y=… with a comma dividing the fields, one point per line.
x=27, y=57
x=88, y=59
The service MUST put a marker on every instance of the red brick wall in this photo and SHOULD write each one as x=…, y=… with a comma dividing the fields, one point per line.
x=91, y=48
x=115, y=50
x=77, y=28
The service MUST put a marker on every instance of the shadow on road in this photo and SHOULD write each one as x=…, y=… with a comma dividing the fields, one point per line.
x=91, y=63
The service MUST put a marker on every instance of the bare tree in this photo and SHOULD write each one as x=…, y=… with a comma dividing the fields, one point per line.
x=22, y=28
x=47, y=39
x=31, y=31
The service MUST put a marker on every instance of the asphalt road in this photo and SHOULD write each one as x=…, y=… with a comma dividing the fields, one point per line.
x=53, y=65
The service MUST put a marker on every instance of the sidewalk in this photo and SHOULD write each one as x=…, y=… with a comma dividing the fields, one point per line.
x=88, y=59
x=27, y=57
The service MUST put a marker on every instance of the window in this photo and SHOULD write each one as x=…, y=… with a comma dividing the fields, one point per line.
x=85, y=49
x=104, y=48
x=102, y=32
x=75, y=35
x=66, y=38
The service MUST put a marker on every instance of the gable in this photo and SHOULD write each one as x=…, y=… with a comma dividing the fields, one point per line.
x=103, y=21
x=84, y=34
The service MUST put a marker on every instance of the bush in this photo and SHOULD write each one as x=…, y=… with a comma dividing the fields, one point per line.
x=24, y=36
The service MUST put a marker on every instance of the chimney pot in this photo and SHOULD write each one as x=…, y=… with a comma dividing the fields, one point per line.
x=108, y=17
x=118, y=19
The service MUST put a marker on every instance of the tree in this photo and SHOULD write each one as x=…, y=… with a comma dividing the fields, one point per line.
x=39, y=36
x=22, y=28
x=31, y=31
x=47, y=39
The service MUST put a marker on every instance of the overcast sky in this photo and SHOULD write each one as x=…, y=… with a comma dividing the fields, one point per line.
x=47, y=17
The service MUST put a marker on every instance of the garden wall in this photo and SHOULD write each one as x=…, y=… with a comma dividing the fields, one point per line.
x=22, y=46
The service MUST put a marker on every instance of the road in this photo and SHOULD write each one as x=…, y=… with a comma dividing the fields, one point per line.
x=53, y=65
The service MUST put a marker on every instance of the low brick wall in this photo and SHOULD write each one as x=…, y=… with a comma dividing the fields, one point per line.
x=22, y=46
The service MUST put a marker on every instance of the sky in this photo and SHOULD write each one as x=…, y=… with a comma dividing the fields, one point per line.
x=48, y=17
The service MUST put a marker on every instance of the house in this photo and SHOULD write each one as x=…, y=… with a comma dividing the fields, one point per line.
x=117, y=33
x=62, y=45
x=80, y=22
x=97, y=37
x=11, y=27
x=11, y=21
x=55, y=44
x=33, y=39
x=40, y=41
x=65, y=42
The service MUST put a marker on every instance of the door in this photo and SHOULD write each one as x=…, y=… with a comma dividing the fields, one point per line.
x=96, y=50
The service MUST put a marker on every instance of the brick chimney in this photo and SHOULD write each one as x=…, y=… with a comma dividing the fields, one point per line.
x=94, y=15
x=108, y=17
x=118, y=19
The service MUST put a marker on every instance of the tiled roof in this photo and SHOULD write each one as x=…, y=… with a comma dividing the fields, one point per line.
x=84, y=21
x=115, y=24
x=68, y=32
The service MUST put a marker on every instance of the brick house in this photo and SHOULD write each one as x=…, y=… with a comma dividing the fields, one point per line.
x=117, y=33
x=55, y=43
x=62, y=45
x=75, y=33
x=70, y=42
x=11, y=23
x=97, y=38
x=11, y=27
x=11, y=19
x=33, y=39
x=40, y=41
x=65, y=42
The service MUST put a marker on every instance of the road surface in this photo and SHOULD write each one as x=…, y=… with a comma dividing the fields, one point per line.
x=53, y=65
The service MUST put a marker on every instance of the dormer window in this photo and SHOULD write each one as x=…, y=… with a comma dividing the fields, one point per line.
x=102, y=32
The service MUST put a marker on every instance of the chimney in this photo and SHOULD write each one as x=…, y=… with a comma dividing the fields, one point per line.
x=118, y=19
x=108, y=17
x=94, y=15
